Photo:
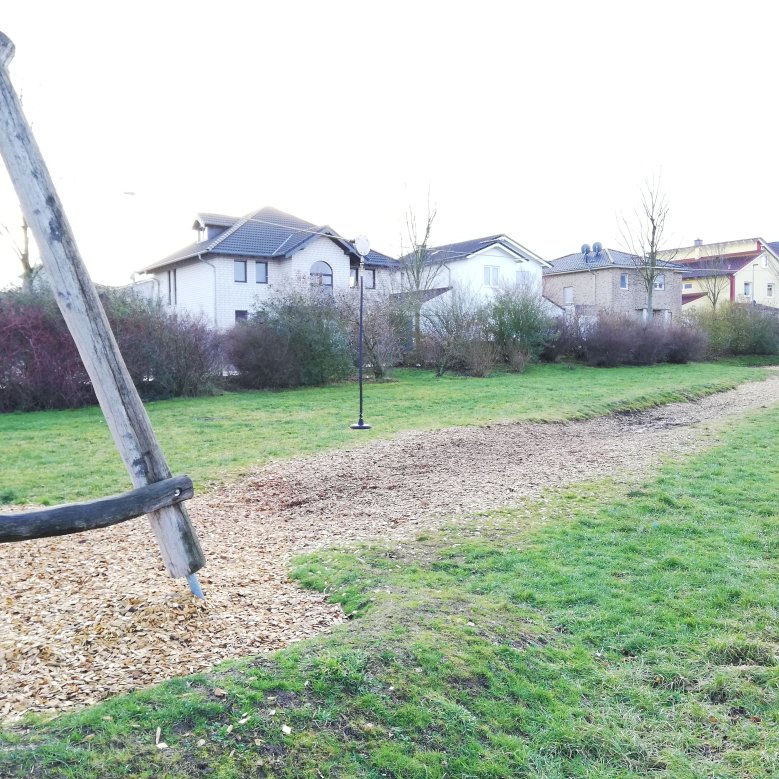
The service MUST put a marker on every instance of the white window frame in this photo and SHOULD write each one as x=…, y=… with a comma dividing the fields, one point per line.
x=491, y=275
x=747, y=289
x=241, y=316
x=369, y=278
x=567, y=296
x=624, y=277
x=769, y=292
x=257, y=265
x=659, y=282
x=687, y=285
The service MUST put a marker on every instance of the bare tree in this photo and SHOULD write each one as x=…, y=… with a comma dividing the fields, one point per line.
x=22, y=251
x=716, y=284
x=420, y=269
x=643, y=238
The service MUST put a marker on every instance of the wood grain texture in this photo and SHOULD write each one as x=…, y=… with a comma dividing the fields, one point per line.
x=103, y=512
x=76, y=296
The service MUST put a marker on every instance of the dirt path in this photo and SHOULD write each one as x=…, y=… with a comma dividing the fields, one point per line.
x=88, y=616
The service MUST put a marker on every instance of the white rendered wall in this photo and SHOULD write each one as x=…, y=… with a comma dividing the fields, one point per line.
x=470, y=272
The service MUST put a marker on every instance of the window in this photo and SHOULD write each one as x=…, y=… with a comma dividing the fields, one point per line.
x=241, y=316
x=321, y=274
x=747, y=289
x=659, y=282
x=769, y=291
x=261, y=272
x=172, y=291
x=687, y=285
x=239, y=270
x=567, y=296
x=491, y=275
x=623, y=280
x=368, y=278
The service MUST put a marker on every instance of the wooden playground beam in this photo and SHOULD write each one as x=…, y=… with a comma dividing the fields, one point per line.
x=76, y=296
x=93, y=514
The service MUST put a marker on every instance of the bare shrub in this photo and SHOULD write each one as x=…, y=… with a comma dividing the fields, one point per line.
x=167, y=354
x=386, y=327
x=623, y=340
x=611, y=341
x=452, y=324
x=518, y=359
x=569, y=337
x=40, y=367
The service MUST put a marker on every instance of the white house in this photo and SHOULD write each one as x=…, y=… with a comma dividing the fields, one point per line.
x=486, y=264
x=236, y=262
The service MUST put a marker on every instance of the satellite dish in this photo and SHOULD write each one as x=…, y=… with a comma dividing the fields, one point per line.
x=585, y=249
x=362, y=245
x=597, y=247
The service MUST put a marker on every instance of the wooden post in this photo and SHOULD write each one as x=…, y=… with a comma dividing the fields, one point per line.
x=86, y=320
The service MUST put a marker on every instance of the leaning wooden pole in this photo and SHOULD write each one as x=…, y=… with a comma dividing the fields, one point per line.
x=87, y=322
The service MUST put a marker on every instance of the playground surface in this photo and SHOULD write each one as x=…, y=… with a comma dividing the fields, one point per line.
x=93, y=615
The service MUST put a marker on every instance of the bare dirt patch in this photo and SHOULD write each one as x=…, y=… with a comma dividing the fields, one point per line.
x=92, y=615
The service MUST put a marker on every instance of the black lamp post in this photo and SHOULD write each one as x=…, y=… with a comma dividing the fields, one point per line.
x=362, y=246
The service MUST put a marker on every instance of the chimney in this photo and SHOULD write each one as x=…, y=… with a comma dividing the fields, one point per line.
x=698, y=242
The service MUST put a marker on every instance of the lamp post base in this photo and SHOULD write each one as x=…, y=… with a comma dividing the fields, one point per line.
x=360, y=426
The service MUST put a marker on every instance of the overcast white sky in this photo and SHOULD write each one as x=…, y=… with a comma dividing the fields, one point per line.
x=539, y=120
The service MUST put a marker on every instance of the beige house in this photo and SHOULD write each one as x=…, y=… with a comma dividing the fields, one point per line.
x=601, y=279
x=741, y=271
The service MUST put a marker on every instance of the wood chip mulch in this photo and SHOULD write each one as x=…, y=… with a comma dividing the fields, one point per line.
x=87, y=616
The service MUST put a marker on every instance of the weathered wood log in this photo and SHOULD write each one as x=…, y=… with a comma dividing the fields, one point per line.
x=86, y=320
x=103, y=512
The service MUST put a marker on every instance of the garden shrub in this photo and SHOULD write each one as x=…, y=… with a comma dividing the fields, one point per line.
x=455, y=334
x=167, y=354
x=40, y=367
x=519, y=325
x=737, y=328
x=620, y=339
x=386, y=328
x=298, y=338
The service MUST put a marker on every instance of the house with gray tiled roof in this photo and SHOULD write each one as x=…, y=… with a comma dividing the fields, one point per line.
x=745, y=270
x=236, y=262
x=600, y=279
x=484, y=264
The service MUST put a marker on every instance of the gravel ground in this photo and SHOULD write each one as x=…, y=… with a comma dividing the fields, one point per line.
x=92, y=615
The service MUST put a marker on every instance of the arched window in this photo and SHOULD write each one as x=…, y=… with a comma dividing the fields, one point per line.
x=321, y=274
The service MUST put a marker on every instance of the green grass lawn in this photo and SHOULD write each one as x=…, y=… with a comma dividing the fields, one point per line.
x=60, y=456
x=590, y=634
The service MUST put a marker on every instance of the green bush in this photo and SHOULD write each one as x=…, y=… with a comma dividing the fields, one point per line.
x=298, y=338
x=737, y=328
x=519, y=326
